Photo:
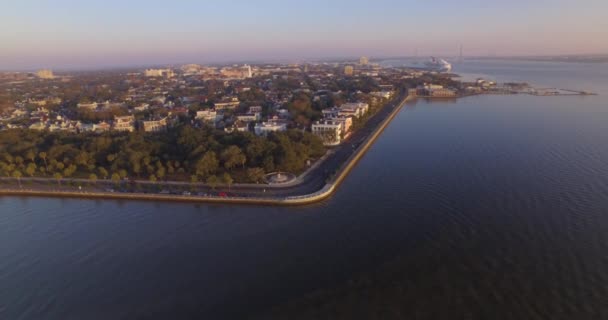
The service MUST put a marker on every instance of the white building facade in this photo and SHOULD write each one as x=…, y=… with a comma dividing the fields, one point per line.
x=330, y=131
x=264, y=128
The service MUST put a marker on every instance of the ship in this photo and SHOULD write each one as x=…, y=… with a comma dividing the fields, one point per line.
x=438, y=64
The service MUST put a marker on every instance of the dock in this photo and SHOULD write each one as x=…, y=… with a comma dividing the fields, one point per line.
x=561, y=92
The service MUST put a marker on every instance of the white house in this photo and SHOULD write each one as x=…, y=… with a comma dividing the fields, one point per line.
x=346, y=122
x=238, y=126
x=142, y=107
x=262, y=129
x=329, y=131
x=86, y=127
x=90, y=106
x=382, y=94
x=208, y=115
x=101, y=127
x=155, y=126
x=249, y=117
x=159, y=73
x=124, y=123
x=356, y=109
x=255, y=109
x=331, y=112
x=227, y=103
x=38, y=126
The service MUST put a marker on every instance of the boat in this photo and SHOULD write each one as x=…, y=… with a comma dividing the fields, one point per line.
x=438, y=64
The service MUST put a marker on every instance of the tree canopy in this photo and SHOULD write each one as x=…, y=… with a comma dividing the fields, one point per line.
x=177, y=155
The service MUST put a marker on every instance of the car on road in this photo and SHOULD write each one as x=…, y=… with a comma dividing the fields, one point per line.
x=222, y=194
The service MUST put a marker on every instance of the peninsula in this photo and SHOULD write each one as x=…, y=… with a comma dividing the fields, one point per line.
x=268, y=134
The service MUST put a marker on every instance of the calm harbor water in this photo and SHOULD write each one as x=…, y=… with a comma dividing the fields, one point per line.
x=490, y=206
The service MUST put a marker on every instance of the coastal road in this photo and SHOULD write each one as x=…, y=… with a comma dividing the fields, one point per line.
x=311, y=182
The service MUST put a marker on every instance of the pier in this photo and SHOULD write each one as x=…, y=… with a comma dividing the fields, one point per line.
x=560, y=92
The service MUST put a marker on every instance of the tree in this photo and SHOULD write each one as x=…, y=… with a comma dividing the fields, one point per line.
x=17, y=175
x=268, y=164
x=9, y=159
x=58, y=177
x=256, y=150
x=287, y=150
x=93, y=178
x=193, y=179
x=82, y=158
x=302, y=111
x=31, y=169
x=31, y=155
x=19, y=161
x=60, y=166
x=115, y=178
x=205, y=152
x=212, y=181
x=69, y=171
x=153, y=178
x=255, y=174
x=233, y=156
x=4, y=167
x=160, y=173
x=170, y=168
x=208, y=164
x=103, y=172
x=227, y=179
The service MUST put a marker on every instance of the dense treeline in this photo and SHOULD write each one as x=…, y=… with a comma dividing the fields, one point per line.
x=183, y=153
x=440, y=79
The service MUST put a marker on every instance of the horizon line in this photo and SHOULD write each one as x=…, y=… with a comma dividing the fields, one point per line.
x=217, y=62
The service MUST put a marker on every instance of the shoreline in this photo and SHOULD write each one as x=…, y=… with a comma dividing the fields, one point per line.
x=325, y=192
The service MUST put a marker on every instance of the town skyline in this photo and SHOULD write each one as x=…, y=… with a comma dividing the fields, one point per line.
x=72, y=35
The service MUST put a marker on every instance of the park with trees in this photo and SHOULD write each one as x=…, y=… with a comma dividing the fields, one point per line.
x=184, y=154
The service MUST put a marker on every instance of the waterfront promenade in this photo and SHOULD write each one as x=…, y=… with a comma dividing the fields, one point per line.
x=316, y=184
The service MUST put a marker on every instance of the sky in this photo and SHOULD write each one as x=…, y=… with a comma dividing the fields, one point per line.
x=110, y=33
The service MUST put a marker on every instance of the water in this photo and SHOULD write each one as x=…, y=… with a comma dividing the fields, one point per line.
x=486, y=207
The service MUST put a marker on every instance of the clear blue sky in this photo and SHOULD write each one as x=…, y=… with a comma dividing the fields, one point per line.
x=93, y=33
